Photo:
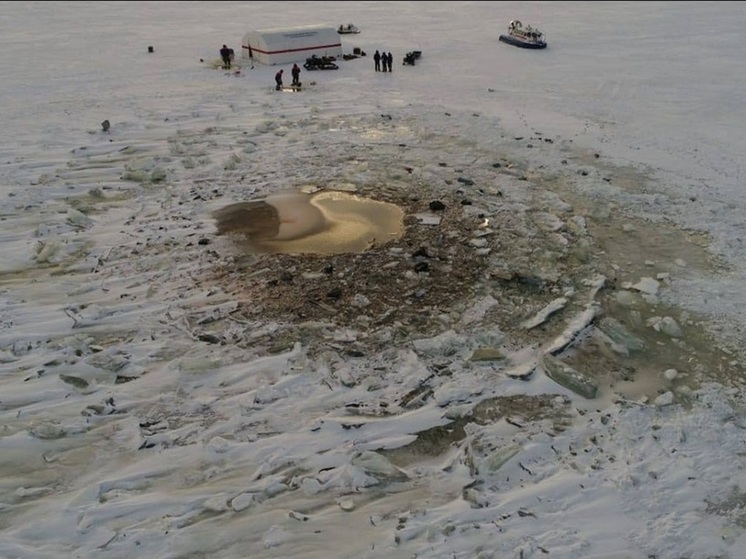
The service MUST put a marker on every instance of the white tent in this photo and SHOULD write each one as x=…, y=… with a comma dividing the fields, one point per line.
x=293, y=44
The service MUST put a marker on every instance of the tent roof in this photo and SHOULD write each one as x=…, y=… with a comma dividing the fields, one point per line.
x=281, y=30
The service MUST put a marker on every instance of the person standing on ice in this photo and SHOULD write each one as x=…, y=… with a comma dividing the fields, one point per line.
x=278, y=79
x=377, y=60
x=296, y=74
x=225, y=54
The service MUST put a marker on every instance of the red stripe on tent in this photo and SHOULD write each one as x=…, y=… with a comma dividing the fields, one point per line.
x=268, y=52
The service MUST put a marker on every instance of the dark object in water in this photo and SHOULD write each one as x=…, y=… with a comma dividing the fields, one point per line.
x=281, y=216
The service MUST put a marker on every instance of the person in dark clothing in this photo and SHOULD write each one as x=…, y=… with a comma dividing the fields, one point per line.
x=225, y=54
x=390, y=61
x=278, y=80
x=377, y=60
x=296, y=74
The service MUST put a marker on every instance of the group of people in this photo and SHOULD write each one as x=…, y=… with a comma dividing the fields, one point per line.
x=295, y=72
x=383, y=61
x=226, y=54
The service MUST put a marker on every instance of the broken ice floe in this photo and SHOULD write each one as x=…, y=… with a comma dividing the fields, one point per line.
x=496, y=460
x=566, y=376
x=543, y=315
x=665, y=324
x=617, y=348
x=521, y=371
x=575, y=329
x=428, y=219
x=447, y=343
x=478, y=310
x=487, y=354
x=596, y=283
x=379, y=467
x=665, y=399
x=619, y=334
x=648, y=286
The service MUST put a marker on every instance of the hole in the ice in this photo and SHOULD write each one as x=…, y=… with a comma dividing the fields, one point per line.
x=324, y=222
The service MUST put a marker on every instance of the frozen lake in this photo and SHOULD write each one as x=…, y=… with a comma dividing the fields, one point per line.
x=528, y=371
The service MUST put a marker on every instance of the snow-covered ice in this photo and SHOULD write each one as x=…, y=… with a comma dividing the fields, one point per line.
x=547, y=363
